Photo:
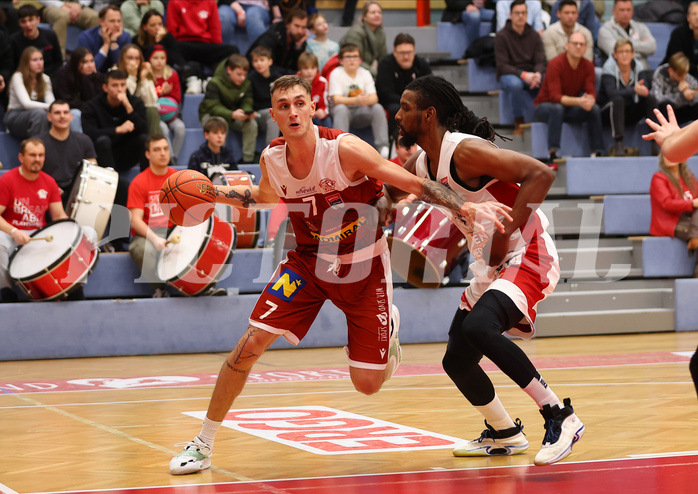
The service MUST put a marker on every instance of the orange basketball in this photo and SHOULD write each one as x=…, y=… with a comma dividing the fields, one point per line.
x=188, y=197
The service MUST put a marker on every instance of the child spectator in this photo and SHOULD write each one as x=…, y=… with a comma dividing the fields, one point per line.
x=672, y=84
x=262, y=75
x=167, y=86
x=32, y=35
x=308, y=66
x=213, y=152
x=30, y=96
x=355, y=100
x=229, y=96
x=321, y=46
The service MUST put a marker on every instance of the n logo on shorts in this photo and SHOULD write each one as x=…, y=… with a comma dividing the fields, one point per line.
x=286, y=285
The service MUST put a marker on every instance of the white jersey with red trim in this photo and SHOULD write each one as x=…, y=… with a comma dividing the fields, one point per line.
x=484, y=276
x=325, y=207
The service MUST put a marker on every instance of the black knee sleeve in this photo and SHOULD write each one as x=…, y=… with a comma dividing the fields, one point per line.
x=694, y=369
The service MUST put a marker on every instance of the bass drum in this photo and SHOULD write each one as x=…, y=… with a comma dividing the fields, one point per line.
x=92, y=196
x=197, y=256
x=55, y=263
x=246, y=221
x=425, y=245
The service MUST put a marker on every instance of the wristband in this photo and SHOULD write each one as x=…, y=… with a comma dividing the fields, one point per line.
x=523, y=74
x=13, y=231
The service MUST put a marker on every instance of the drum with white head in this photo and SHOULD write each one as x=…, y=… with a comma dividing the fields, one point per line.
x=92, y=196
x=56, y=261
x=196, y=257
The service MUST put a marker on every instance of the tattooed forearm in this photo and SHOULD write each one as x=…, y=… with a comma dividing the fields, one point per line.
x=245, y=199
x=439, y=195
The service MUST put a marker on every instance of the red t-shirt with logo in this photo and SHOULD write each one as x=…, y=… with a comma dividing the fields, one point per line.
x=144, y=193
x=26, y=201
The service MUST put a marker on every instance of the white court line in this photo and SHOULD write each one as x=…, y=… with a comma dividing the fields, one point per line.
x=311, y=393
x=666, y=455
x=541, y=471
x=6, y=490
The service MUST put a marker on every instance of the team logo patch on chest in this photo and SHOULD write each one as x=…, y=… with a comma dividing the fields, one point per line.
x=327, y=185
x=334, y=199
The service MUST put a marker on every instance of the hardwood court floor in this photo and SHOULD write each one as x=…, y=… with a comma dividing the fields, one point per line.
x=111, y=423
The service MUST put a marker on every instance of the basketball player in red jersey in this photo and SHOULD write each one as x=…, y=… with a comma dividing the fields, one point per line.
x=328, y=179
x=514, y=268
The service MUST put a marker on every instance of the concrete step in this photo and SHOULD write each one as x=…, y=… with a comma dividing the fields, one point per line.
x=598, y=262
x=483, y=105
x=606, y=300
x=605, y=322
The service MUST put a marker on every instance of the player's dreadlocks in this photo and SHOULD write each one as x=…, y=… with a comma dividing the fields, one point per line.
x=450, y=111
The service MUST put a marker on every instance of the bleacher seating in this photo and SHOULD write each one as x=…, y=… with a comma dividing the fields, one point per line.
x=661, y=32
x=9, y=149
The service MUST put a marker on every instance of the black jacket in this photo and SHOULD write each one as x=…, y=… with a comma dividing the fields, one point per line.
x=391, y=79
x=204, y=155
x=101, y=119
x=681, y=39
x=284, y=56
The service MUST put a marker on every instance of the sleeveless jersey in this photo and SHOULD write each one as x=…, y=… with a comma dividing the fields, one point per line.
x=534, y=249
x=327, y=211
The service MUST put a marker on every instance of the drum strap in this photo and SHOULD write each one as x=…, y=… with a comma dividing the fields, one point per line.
x=353, y=257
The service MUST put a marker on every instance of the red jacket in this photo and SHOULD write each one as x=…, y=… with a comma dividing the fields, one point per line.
x=194, y=20
x=319, y=93
x=667, y=205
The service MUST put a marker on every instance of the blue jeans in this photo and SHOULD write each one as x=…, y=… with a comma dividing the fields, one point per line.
x=471, y=21
x=256, y=22
x=555, y=113
x=514, y=87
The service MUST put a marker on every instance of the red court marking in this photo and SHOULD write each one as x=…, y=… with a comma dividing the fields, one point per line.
x=646, y=475
x=405, y=370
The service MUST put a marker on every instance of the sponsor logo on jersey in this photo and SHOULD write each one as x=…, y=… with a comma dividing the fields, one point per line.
x=444, y=181
x=328, y=431
x=286, y=285
x=283, y=188
x=345, y=232
x=334, y=199
x=304, y=191
x=43, y=193
x=327, y=184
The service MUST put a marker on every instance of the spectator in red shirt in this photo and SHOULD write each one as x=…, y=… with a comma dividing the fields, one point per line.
x=674, y=197
x=26, y=195
x=196, y=26
x=568, y=94
x=148, y=222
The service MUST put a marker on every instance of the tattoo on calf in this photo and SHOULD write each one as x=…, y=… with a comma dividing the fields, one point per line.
x=246, y=199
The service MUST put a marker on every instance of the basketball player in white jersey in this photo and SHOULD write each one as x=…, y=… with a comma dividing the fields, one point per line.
x=514, y=269
x=328, y=181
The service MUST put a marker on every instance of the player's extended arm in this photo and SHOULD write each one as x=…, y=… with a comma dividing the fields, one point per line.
x=359, y=158
x=260, y=196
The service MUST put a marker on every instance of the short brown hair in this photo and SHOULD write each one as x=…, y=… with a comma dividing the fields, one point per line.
x=286, y=82
x=32, y=140
x=104, y=10
x=237, y=61
x=307, y=59
x=151, y=139
x=402, y=39
x=260, y=51
x=621, y=43
x=313, y=18
x=348, y=48
x=679, y=63
x=216, y=123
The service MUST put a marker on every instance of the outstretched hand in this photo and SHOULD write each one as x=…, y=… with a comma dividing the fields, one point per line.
x=664, y=128
x=481, y=213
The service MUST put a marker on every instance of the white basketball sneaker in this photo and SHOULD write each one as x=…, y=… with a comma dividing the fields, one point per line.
x=492, y=442
x=195, y=456
x=562, y=429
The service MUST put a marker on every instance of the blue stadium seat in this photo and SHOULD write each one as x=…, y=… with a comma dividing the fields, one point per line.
x=190, y=110
x=661, y=32
x=627, y=214
x=9, y=149
x=193, y=138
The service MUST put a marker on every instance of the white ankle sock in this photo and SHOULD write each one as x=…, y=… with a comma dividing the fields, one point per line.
x=541, y=393
x=496, y=415
x=208, y=431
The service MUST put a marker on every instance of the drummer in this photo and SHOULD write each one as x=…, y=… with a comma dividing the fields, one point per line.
x=26, y=194
x=149, y=225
